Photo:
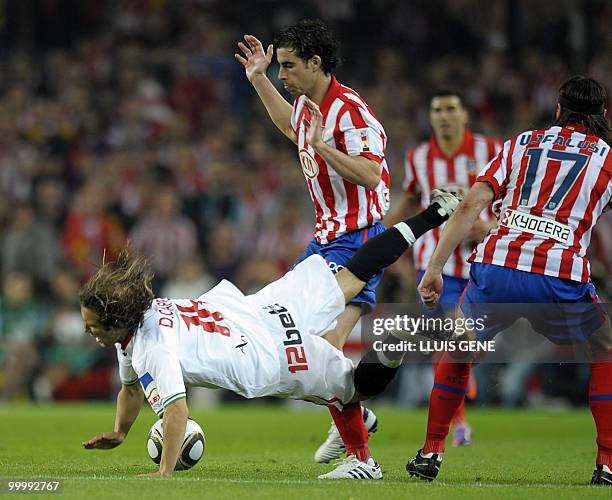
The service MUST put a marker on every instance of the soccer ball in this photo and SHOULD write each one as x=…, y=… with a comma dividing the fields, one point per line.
x=192, y=449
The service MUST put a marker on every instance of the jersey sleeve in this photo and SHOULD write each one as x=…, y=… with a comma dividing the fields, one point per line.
x=162, y=367
x=127, y=375
x=362, y=134
x=411, y=182
x=496, y=171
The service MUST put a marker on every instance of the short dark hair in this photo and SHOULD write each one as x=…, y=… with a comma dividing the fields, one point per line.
x=308, y=38
x=583, y=101
x=448, y=92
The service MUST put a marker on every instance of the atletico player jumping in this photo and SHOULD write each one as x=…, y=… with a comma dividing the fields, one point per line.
x=553, y=184
x=341, y=148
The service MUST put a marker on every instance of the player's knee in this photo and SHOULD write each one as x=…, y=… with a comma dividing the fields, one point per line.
x=601, y=341
x=371, y=376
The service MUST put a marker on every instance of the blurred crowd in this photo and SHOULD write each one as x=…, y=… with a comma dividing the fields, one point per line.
x=131, y=120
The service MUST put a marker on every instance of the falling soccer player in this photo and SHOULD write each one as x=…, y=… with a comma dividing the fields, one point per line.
x=272, y=343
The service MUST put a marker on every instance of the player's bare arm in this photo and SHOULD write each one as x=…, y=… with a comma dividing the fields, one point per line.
x=480, y=229
x=478, y=198
x=175, y=421
x=256, y=61
x=129, y=402
x=356, y=169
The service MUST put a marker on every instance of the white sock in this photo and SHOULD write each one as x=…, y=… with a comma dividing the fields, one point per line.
x=406, y=232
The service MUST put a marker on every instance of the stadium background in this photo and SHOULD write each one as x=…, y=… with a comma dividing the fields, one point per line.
x=130, y=119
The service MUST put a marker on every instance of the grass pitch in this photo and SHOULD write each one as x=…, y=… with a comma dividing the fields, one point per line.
x=266, y=452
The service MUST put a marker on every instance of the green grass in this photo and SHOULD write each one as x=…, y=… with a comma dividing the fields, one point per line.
x=266, y=452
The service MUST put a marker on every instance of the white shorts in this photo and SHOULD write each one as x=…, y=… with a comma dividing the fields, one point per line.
x=297, y=310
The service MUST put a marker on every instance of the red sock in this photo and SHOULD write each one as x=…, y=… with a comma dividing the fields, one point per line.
x=600, y=401
x=459, y=416
x=448, y=393
x=352, y=430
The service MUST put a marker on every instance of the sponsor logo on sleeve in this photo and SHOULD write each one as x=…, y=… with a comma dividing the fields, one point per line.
x=364, y=135
x=150, y=390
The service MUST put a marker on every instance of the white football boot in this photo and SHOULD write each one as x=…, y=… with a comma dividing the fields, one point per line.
x=447, y=201
x=353, y=468
x=333, y=447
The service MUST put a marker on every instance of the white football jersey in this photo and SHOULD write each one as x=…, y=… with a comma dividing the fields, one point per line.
x=199, y=343
x=266, y=344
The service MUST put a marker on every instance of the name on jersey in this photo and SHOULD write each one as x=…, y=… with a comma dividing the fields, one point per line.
x=564, y=142
x=164, y=308
x=540, y=226
x=294, y=350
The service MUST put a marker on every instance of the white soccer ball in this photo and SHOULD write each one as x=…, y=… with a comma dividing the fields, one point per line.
x=192, y=449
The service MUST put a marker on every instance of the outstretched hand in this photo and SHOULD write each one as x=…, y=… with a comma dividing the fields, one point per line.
x=314, y=133
x=104, y=441
x=255, y=60
x=430, y=288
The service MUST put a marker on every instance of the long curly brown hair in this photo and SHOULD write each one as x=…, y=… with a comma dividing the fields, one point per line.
x=120, y=292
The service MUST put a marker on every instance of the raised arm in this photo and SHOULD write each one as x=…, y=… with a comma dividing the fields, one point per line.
x=256, y=61
x=356, y=169
x=129, y=402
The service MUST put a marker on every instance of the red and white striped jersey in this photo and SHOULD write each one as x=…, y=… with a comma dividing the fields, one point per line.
x=554, y=184
x=350, y=126
x=427, y=168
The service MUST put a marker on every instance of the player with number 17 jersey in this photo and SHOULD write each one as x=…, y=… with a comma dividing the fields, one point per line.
x=554, y=185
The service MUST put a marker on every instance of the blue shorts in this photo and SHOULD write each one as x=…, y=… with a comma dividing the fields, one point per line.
x=339, y=251
x=564, y=311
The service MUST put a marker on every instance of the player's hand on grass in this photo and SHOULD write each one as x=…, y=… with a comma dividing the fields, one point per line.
x=104, y=441
x=314, y=134
x=255, y=60
x=430, y=288
x=155, y=474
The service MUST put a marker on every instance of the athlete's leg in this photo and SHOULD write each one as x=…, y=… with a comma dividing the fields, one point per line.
x=352, y=429
x=600, y=391
x=385, y=248
x=451, y=295
x=376, y=254
x=346, y=322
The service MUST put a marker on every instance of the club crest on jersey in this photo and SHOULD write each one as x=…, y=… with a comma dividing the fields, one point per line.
x=309, y=164
x=365, y=140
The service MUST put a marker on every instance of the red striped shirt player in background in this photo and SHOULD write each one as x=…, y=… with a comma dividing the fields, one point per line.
x=341, y=149
x=553, y=185
x=450, y=159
